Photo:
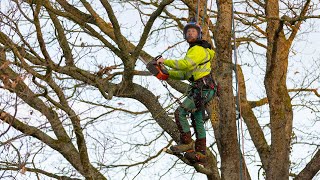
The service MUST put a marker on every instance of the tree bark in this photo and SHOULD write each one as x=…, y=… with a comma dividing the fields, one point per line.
x=278, y=97
x=229, y=151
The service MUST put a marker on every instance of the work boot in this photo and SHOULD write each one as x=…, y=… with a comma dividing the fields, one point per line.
x=200, y=145
x=196, y=157
x=180, y=148
x=199, y=155
x=186, y=143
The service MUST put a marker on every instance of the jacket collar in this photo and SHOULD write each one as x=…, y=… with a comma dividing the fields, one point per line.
x=202, y=43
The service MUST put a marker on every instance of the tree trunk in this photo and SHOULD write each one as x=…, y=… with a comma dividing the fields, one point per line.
x=229, y=150
x=279, y=100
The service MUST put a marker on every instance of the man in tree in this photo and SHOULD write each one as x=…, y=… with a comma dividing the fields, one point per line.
x=196, y=68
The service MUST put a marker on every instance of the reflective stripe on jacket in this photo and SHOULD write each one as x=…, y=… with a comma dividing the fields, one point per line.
x=196, y=63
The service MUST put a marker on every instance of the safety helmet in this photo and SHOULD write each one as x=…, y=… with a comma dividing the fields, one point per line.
x=192, y=24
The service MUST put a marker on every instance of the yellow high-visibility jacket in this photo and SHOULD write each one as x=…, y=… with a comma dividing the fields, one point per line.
x=196, y=63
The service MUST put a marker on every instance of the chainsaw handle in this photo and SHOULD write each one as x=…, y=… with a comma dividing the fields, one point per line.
x=157, y=57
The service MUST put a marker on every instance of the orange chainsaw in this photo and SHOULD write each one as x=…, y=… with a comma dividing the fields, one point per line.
x=158, y=70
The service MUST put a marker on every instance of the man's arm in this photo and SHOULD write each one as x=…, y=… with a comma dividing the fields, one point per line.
x=194, y=56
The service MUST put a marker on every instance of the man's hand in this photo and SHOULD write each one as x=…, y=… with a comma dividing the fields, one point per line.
x=160, y=60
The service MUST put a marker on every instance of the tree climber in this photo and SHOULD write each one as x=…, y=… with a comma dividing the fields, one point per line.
x=196, y=68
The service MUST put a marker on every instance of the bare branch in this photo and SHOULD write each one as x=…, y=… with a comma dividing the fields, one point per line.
x=35, y=170
x=148, y=26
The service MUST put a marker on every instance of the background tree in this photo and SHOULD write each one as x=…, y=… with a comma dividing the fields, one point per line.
x=73, y=88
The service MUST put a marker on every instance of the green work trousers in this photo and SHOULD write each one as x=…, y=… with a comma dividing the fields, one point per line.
x=192, y=105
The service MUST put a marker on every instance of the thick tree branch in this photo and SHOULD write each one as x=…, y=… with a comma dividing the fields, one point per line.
x=258, y=103
x=311, y=169
x=252, y=123
x=198, y=167
x=28, y=130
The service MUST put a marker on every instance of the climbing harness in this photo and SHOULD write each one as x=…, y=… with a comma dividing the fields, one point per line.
x=195, y=92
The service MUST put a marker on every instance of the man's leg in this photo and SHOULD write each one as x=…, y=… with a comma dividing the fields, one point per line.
x=198, y=124
x=199, y=155
x=180, y=116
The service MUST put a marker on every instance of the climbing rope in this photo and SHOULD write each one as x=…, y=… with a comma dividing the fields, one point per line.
x=178, y=100
x=204, y=13
x=197, y=9
x=209, y=18
x=238, y=107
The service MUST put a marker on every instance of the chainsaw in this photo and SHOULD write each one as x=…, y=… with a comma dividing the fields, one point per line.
x=158, y=70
